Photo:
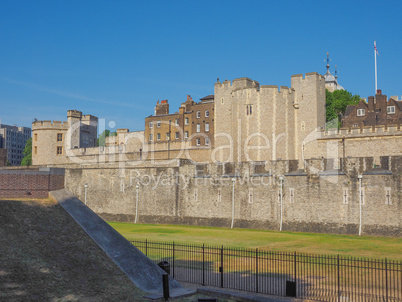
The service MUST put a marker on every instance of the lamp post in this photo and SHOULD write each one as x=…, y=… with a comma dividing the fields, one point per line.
x=281, y=197
x=86, y=187
x=136, y=205
x=233, y=199
x=360, y=203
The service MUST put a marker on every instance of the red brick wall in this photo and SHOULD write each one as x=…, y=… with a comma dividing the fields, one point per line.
x=29, y=184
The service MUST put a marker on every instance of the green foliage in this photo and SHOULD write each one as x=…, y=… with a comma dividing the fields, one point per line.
x=27, y=160
x=8, y=163
x=336, y=103
x=102, y=137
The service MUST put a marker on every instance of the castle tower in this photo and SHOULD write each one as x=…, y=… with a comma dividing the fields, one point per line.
x=331, y=82
x=74, y=121
x=310, y=109
x=253, y=122
x=52, y=141
x=235, y=104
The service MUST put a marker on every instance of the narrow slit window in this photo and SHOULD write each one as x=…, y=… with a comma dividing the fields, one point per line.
x=345, y=196
x=250, y=195
x=291, y=195
x=388, y=196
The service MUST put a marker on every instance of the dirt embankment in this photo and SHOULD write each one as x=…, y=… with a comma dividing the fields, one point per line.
x=46, y=256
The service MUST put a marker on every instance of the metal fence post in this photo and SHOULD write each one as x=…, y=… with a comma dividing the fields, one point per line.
x=386, y=280
x=256, y=270
x=146, y=247
x=339, y=278
x=295, y=257
x=203, y=264
x=173, y=259
x=221, y=268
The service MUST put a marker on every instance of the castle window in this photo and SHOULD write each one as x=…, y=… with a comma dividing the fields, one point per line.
x=158, y=124
x=222, y=100
x=198, y=127
x=250, y=196
x=151, y=137
x=388, y=196
x=207, y=141
x=249, y=109
x=59, y=137
x=303, y=126
x=158, y=136
x=291, y=195
x=361, y=112
x=35, y=137
x=195, y=195
x=206, y=127
x=355, y=125
x=198, y=140
x=186, y=134
x=391, y=109
x=345, y=195
x=35, y=149
x=198, y=114
x=176, y=122
x=151, y=124
x=186, y=121
x=177, y=135
x=167, y=136
x=206, y=113
x=59, y=150
x=219, y=195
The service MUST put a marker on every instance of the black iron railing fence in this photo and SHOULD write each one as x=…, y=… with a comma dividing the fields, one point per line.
x=306, y=276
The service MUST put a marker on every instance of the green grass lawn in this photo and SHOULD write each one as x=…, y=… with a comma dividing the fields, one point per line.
x=373, y=247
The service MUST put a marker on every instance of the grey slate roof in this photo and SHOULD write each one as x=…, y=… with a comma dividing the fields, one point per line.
x=208, y=97
x=349, y=109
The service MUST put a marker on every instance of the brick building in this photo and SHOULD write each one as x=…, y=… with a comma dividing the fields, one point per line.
x=193, y=124
x=376, y=112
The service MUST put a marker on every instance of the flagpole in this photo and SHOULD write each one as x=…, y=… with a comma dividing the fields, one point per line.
x=375, y=64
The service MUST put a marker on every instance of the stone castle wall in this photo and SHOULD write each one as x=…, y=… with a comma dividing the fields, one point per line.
x=334, y=144
x=343, y=143
x=316, y=199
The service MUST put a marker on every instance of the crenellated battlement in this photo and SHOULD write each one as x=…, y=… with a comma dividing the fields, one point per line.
x=361, y=132
x=307, y=77
x=238, y=83
x=89, y=118
x=49, y=124
x=74, y=114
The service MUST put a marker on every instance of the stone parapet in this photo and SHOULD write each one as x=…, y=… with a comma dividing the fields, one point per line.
x=50, y=125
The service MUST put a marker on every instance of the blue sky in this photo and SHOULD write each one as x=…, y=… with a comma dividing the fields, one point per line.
x=115, y=59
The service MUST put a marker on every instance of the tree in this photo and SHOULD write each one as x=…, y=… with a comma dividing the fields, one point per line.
x=27, y=160
x=8, y=163
x=103, y=135
x=336, y=103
